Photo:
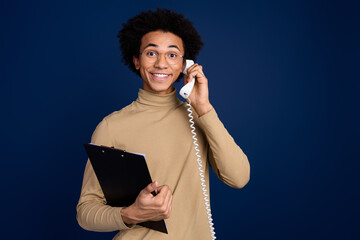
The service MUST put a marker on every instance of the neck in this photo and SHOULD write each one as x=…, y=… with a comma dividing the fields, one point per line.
x=158, y=100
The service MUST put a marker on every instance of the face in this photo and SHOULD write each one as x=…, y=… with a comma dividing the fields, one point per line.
x=158, y=77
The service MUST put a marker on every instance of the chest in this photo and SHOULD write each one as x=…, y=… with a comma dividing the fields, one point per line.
x=165, y=138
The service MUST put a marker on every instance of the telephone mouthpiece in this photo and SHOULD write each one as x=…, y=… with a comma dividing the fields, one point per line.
x=186, y=90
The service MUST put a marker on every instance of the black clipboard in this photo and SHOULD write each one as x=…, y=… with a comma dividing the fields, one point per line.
x=122, y=175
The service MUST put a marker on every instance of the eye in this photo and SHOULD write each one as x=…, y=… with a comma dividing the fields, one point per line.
x=172, y=55
x=151, y=54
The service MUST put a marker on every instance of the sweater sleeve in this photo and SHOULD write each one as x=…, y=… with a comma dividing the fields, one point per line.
x=226, y=158
x=92, y=212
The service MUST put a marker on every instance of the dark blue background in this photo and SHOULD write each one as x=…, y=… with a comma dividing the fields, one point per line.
x=283, y=77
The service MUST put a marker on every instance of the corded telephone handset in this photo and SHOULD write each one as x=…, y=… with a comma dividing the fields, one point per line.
x=185, y=93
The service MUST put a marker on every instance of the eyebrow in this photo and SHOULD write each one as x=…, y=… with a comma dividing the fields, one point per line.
x=154, y=45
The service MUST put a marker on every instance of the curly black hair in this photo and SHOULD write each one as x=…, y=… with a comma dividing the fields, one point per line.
x=162, y=19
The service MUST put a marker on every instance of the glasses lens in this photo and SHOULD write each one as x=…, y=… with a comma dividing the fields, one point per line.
x=150, y=56
x=171, y=57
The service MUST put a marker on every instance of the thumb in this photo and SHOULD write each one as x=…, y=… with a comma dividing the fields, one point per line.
x=152, y=187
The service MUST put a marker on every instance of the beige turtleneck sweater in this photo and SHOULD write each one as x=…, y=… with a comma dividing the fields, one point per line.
x=158, y=126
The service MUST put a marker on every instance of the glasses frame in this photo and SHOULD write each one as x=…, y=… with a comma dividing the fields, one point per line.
x=159, y=55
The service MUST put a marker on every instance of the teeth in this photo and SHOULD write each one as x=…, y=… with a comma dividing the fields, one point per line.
x=160, y=75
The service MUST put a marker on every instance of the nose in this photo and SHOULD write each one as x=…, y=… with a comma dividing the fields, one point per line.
x=161, y=62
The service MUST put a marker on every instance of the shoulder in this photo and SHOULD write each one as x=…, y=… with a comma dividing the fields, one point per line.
x=104, y=129
x=118, y=115
x=115, y=117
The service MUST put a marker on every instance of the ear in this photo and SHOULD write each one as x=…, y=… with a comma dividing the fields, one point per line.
x=183, y=66
x=136, y=63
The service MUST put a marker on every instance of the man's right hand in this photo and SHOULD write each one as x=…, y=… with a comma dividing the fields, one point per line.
x=148, y=207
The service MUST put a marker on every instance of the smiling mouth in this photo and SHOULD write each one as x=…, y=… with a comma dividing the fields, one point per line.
x=160, y=75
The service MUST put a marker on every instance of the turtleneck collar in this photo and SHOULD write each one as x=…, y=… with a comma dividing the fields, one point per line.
x=152, y=99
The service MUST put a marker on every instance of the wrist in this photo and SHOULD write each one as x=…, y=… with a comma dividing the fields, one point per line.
x=203, y=109
x=127, y=215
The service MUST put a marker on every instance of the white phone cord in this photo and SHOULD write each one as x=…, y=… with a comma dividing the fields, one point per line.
x=201, y=172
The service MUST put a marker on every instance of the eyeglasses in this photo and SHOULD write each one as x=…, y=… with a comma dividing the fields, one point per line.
x=151, y=56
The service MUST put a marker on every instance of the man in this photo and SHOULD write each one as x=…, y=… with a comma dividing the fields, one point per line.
x=155, y=45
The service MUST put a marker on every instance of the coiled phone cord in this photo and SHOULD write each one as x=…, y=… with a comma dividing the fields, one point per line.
x=201, y=171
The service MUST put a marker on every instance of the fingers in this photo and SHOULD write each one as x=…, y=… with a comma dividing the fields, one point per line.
x=164, y=195
x=165, y=201
x=195, y=70
x=148, y=207
x=155, y=206
x=195, y=67
x=151, y=188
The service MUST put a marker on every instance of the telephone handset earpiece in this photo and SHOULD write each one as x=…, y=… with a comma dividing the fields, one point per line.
x=185, y=91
